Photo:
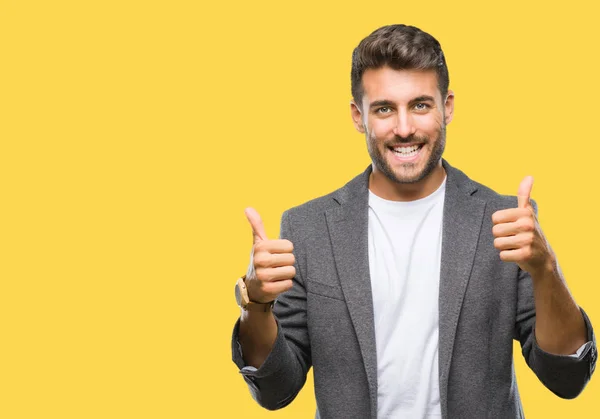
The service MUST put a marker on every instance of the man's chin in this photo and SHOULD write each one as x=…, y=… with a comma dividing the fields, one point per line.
x=406, y=172
x=405, y=176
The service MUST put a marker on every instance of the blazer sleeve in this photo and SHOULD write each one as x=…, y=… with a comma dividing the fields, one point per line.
x=564, y=375
x=283, y=373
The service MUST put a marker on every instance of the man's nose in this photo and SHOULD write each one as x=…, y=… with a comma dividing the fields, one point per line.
x=404, y=125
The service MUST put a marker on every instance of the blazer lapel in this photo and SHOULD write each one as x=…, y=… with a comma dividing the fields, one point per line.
x=348, y=229
x=463, y=217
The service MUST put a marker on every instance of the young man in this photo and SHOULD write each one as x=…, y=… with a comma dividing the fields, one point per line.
x=405, y=288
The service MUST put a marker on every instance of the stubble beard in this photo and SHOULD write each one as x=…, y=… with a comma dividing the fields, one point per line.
x=438, y=145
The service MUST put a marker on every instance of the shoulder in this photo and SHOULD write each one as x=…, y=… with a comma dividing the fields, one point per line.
x=489, y=195
x=485, y=193
x=316, y=208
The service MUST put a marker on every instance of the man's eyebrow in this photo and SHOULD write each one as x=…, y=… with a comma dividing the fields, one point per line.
x=381, y=103
x=423, y=98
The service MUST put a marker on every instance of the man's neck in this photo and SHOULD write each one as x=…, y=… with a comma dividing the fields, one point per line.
x=385, y=188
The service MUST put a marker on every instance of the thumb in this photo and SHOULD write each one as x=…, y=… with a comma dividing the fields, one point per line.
x=525, y=191
x=258, y=229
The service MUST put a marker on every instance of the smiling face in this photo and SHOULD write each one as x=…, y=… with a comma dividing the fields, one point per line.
x=404, y=117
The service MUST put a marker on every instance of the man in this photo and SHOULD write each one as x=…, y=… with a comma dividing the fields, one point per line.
x=405, y=288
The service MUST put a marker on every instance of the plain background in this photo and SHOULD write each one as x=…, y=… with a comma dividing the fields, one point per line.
x=134, y=133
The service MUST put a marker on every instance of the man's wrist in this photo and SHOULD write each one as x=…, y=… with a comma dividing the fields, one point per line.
x=547, y=271
x=244, y=301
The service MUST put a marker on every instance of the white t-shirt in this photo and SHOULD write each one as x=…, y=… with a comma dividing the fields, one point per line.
x=405, y=246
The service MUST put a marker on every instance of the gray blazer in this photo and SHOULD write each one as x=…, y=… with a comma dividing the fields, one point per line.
x=326, y=319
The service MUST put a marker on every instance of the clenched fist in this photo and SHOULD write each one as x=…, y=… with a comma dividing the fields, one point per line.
x=518, y=234
x=271, y=263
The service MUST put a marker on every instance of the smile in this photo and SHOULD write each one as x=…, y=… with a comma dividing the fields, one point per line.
x=406, y=152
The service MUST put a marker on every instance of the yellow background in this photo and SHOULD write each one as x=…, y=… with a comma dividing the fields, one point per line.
x=134, y=133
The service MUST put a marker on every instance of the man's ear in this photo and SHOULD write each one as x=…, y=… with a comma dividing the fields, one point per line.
x=449, y=107
x=357, y=117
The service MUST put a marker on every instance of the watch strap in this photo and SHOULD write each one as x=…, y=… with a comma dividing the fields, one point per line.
x=260, y=307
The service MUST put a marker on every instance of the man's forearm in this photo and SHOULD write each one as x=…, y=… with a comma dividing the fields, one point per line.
x=257, y=334
x=559, y=327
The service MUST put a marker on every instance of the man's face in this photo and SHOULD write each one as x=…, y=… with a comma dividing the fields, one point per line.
x=404, y=117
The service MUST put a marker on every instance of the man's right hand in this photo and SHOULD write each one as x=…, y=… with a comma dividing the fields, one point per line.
x=271, y=263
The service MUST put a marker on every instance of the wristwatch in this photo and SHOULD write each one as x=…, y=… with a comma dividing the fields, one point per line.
x=241, y=296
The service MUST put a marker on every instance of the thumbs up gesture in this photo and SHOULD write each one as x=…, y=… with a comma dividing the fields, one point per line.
x=518, y=234
x=271, y=263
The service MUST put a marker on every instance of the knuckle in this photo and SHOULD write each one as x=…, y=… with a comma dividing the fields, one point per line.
x=260, y=259
x=267, y=259
x=261, y=275
x=267, y=288
x=528, y=225
x=289, y=244
x=524, y=224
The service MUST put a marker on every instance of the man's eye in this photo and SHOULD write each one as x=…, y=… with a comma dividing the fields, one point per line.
x=384, y=109
x=421, y=106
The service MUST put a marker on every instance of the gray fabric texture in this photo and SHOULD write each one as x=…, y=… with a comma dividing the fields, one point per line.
x=326, y=320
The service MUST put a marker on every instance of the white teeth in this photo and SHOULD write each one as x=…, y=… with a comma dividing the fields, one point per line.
x=407, y=151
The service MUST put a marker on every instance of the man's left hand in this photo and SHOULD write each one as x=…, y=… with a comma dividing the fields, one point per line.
x=518, y=234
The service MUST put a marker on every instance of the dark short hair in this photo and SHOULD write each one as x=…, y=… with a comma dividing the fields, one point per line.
x=399, y=47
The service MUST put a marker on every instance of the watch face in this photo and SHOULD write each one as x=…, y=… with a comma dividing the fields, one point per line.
x=238, y=295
